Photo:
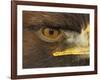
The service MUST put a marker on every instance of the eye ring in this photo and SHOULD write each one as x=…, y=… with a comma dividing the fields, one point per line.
x=50, y=35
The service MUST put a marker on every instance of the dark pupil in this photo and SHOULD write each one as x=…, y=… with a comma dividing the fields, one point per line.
x=51, y=32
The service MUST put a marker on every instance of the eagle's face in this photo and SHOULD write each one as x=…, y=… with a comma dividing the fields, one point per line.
x=55, y=39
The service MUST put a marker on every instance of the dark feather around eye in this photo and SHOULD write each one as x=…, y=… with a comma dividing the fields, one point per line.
x=44, y=25
x=34, y=27
x=36, y=20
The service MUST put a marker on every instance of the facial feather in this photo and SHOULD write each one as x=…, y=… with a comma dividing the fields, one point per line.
x=39, y=53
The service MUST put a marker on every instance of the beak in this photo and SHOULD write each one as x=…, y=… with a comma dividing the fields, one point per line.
x=81, y=48
x=73, y=51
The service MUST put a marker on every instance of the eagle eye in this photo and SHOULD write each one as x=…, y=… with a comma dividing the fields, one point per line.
x=50, y=34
